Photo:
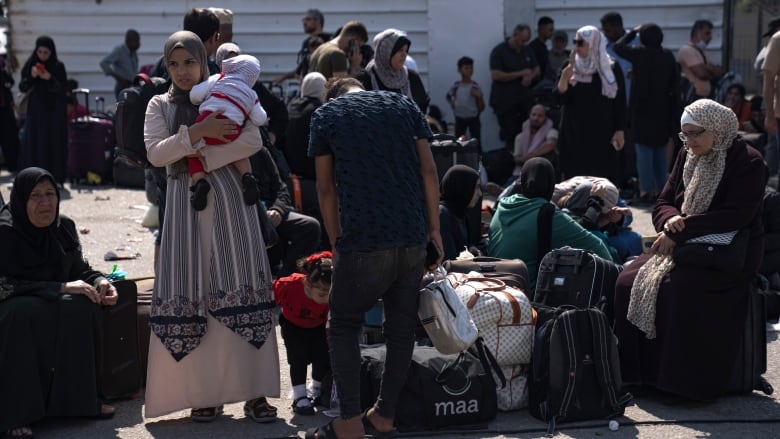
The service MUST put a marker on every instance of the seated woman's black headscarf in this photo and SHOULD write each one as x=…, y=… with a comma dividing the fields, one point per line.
x=537, y=179
x=36, y=253
x=457, y=189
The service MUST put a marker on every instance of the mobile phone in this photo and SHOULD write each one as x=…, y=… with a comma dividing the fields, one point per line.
x=353, y=46
x=432, y=254
x=41, y=66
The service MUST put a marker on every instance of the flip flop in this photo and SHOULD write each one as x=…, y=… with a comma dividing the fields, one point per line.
x=372, y=432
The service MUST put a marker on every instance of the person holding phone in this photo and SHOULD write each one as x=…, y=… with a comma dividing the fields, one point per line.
x=44, y=80
x=592, y=94
x=340, y=57
x=388, y=72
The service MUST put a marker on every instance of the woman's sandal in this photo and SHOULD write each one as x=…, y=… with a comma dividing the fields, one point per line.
x=260, y=411
x=372, y=432
x=19, y=433
x=324, y=432
x=206, y=414
x=306, y=410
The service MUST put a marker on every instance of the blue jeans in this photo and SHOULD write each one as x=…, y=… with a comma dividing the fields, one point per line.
x=651, y=167
x=359, y=280
x=771, y=152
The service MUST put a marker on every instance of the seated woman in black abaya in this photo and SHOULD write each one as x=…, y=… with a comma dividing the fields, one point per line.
x=50, y=302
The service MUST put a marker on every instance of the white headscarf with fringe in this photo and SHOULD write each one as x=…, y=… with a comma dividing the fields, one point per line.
x=597, y=61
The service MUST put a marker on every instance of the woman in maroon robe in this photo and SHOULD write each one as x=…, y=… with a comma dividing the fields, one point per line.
x=679, y=326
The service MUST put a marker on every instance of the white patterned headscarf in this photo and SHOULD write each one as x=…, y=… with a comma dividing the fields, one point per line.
x=597, y=61
x=701, y=176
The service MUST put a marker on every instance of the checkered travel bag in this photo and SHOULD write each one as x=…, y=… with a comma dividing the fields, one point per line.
x=503, y=315
x=513, y=396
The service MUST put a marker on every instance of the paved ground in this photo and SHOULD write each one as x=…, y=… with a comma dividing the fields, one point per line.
x=112, y=217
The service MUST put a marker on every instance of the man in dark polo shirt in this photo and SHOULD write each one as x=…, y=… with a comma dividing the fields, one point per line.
x=378, y=192
x=513, y=68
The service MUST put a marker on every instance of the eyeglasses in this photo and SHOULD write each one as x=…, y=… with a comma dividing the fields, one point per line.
x=690, y=135
x=578, y=43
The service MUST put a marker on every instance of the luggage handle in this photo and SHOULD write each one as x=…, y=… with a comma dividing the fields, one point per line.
x=142, y=78
x=82, y=91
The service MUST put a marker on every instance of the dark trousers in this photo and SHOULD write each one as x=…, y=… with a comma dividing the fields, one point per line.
x=9, y=135
x=305, y=346
x=359, y=280
x=299, y=236
x=473, y=125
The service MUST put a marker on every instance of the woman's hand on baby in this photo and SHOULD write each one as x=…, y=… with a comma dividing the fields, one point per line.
x=217, y=128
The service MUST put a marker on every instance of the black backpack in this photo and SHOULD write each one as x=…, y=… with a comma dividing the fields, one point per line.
x=130, y=115
x=575, y=373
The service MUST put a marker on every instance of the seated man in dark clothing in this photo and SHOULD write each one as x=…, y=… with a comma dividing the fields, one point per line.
x=299, y=235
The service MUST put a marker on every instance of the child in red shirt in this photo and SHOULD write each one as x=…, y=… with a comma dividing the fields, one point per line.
x=304, y=300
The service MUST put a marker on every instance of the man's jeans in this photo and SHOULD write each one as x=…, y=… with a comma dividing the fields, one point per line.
x=359, y=280
x=651, y=167
x=772, y=152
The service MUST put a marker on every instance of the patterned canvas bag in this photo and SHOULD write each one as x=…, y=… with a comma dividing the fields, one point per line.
x=513, y=396
x=504, y=316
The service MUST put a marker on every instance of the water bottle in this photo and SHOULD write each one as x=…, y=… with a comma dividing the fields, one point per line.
x=334, y=411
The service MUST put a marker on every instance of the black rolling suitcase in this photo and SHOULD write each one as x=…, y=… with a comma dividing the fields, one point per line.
x=447, y=150
x=120, y=375
x=750, y=362
x=569, y=276
x=145, y=289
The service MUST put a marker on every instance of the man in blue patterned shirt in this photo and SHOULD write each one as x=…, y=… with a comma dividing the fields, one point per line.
x=378, y=192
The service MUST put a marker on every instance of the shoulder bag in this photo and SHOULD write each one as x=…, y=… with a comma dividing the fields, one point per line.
x=717, y=251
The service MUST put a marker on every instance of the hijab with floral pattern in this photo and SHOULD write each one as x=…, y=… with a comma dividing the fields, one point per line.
x=701, y=177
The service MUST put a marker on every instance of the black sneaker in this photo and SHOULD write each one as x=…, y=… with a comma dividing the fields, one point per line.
x=199, y=196
x=251, y=191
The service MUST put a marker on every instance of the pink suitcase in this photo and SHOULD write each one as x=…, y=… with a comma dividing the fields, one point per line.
x=91, y=142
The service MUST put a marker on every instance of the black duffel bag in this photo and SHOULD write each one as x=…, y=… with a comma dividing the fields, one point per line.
x=440, y=392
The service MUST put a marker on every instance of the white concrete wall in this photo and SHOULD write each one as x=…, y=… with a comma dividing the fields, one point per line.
x=453, y=32
x=441, y=31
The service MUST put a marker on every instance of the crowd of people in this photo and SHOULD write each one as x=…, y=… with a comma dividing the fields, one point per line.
x=355, y=202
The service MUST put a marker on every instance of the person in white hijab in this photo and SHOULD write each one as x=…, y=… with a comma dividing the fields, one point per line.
x=594, y=109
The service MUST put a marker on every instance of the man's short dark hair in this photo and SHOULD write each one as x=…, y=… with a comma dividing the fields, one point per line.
x=465, y=61
x=318, y=15
x=356, y=29
x=521, y=27
x=612, y=19
x=338, y=86
x=701, y=24
x=544, y=21
x=202, y=22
